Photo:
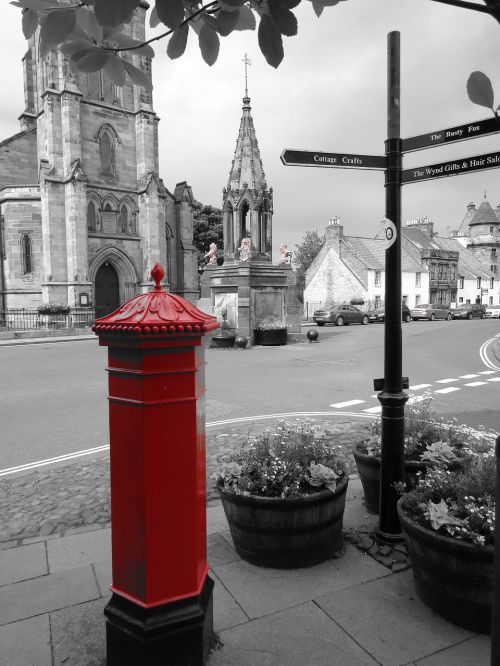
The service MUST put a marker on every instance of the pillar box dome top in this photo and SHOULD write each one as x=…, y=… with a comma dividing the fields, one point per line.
x=156, y=313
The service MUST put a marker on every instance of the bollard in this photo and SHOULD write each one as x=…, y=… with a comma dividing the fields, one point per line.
x=161, y=605
x=495, y=611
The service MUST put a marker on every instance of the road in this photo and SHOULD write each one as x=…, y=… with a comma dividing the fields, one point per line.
x=54, y=395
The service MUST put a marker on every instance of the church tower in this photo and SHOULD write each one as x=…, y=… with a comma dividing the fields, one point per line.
x=247, y=201
x=85, y=212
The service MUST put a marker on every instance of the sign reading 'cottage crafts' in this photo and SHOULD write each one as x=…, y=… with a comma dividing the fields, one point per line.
x=336, y=160
x=453, y=168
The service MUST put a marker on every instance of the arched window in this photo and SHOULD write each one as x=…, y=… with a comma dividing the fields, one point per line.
x=123, y=220
x=26, y=254
x=106, y=154
x=91, y=217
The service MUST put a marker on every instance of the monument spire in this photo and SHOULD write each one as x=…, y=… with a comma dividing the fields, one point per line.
x=247, y=62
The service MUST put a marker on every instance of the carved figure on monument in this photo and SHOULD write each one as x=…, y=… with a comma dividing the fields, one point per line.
x=284, y=253
x=212, y=254
x=244, y=250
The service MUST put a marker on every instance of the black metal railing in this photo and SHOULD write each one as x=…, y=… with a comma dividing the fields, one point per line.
x=26, y=320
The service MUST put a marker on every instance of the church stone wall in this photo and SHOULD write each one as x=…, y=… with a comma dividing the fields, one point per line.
x=18, y=160
x=22, y=217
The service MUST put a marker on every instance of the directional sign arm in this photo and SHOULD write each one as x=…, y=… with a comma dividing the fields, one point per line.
x=453, y=168
x=336, y=160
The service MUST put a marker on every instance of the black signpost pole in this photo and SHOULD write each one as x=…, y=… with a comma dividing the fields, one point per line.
x=392, y=396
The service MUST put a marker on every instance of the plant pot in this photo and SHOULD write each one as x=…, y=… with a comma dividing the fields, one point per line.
x=286, y=533
x=223, y=341
x=369, y=473
x=272, y=336
x=454, y=578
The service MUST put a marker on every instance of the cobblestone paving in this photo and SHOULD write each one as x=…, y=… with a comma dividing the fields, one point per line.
x=51, y=502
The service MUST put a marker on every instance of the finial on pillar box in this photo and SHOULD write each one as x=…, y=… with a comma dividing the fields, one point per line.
x=158, y=273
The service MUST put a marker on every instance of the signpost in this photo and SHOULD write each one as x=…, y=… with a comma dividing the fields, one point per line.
x=453, y=168
x=336, y=160
x=391, y=396
x=452, y=134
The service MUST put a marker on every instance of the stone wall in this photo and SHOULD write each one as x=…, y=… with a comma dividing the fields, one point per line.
x=18, y=160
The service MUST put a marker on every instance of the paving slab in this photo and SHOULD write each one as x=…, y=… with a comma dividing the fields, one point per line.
x=26, y=643
x=300, y=636
x=104, y=576
x=47, y=593
x=216, y=519
x=79, y=635
x=261, y=591
x=357, y=517
x=227, y=613
x=219, y=551
x=472, y=652
x=22, y=563
x=386, y=617
x=79, y=550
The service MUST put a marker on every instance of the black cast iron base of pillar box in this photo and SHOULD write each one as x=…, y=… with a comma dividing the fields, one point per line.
x=178, y=633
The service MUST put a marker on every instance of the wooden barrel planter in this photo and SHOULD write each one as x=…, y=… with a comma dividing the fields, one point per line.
x=369, y=473
x=286, y=533
x=454, y=578
x=223, y=341
x=271, y=336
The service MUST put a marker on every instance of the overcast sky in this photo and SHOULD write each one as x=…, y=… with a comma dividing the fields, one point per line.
x=328, y=94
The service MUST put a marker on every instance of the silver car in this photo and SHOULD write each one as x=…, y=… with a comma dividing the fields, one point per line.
x=430, y=311
x=492, y=311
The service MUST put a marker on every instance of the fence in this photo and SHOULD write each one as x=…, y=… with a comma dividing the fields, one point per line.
x=26, y=320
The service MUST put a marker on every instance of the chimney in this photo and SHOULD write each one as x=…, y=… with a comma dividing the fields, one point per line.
x=471, y=207
x=334, y=233
x=424, y=224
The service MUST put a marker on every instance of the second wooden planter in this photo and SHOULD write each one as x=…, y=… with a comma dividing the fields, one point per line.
x=286, y=533
x=271, y=336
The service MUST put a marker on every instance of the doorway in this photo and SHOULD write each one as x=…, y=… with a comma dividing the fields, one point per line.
x=107, y=291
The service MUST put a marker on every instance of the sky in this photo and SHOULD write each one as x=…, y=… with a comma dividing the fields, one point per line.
x=328, y=94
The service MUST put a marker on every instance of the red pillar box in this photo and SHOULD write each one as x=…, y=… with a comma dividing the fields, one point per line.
x=160, y=611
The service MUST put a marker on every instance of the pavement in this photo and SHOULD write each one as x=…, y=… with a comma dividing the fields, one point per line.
x=360, y=608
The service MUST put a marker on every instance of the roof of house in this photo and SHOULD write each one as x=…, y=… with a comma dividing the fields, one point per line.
x=468, y=264
x=484, y=215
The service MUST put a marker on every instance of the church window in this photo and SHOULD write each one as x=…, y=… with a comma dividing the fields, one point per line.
x=106, y=154
x=26, y=254
x=91, y=226
x=123, y=221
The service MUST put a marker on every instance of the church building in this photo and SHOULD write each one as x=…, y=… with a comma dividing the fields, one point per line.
x=84, y=214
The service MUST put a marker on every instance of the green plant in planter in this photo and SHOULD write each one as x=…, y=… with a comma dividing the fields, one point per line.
x=283, y=494
x=448, y=520
x=53, y=308
x=270, y=323
x=429, y=441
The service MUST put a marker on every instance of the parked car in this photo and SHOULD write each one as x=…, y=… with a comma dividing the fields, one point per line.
x=469, y=311
x=378, y=314
x=430, y=311
x=492, y=311
x=340, y=315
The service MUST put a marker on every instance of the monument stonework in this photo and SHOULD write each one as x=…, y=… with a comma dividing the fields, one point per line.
x=84, y=212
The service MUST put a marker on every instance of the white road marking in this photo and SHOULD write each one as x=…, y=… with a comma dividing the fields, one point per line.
x=348, y=403
x=241, y=419
x=487, y=372
x=475, y=384
x=494, y=379
x=416, y=387
x=467, y=376
x=484, y=356
x=446, y=381
x=373, y=410
x=448, y=389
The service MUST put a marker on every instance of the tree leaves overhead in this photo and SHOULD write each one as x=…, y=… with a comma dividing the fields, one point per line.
x=170, y=12
x=87, y=23
x=223, y=22
x=30, y=22
x=137, y=75
x=115, y=70
x=91, y=59
x=57, y=25
x=124, y=41
x=113, y=12
x=230, y=5
x=283, y=19
x=209, y=44
x=270, y=41
x=177, y=43
x=480, y=90
x=246, y=19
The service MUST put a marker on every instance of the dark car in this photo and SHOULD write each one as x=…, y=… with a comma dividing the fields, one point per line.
x=379, y=314
x=430, y=311
x=469, y=311
x=340, y=315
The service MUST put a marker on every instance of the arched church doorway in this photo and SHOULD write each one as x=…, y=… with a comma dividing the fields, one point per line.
x=107, y=291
